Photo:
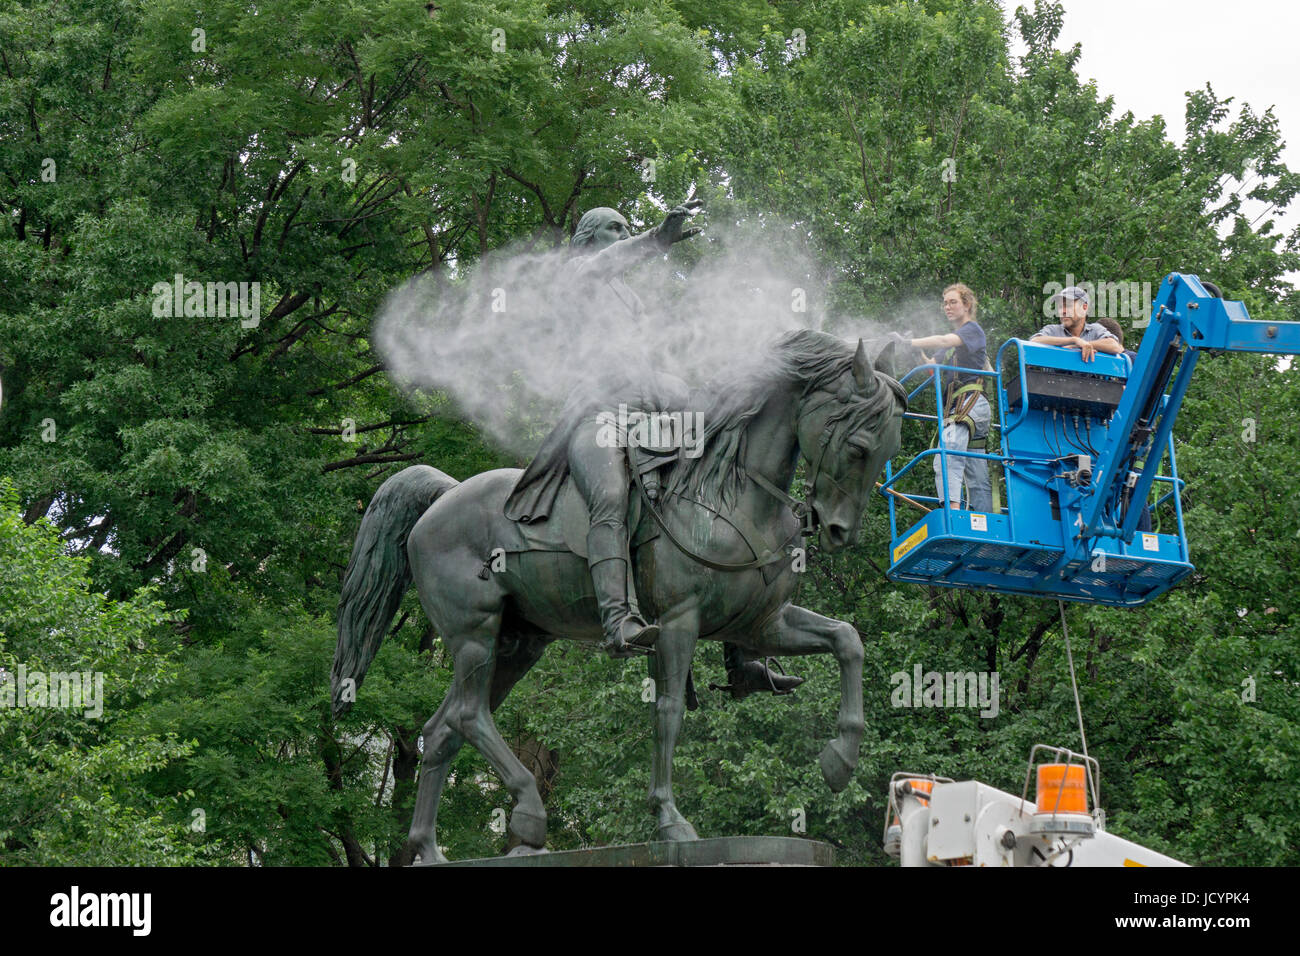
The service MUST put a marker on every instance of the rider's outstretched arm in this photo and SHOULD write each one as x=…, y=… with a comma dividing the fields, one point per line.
x=618, y=257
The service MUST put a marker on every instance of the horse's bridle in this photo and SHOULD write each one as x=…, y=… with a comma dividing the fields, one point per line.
x=802, y=510
x=823, y=443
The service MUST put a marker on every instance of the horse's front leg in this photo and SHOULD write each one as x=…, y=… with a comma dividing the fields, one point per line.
x=668, y=668
x=793, y=631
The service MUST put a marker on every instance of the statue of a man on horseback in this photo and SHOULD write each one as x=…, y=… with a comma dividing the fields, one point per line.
x=718, y=565
x=613, y=314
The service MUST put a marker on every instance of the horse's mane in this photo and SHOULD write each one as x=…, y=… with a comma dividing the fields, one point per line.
x=816, y=360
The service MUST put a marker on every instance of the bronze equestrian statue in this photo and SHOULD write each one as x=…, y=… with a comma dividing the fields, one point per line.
x=817, y=398
x=712, y=550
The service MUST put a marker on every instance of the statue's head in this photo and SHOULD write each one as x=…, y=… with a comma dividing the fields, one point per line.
x=849, y=424
x=599, y=228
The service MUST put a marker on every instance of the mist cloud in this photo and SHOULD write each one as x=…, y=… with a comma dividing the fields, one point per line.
x=509, y=340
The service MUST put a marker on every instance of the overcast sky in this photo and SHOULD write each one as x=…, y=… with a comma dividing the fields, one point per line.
x=1147, y=54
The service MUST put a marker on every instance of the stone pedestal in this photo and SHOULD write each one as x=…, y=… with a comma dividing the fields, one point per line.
x=718, y=851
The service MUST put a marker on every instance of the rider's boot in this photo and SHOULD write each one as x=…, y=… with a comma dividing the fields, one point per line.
x=745, y=677
x=607, y=554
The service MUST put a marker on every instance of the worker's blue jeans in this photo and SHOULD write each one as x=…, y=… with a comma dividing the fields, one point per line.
x=974, y=471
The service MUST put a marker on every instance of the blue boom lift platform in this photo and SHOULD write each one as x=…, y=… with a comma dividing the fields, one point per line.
x=1081, y=447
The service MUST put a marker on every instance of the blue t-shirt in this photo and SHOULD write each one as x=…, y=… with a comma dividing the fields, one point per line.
x=972, y=353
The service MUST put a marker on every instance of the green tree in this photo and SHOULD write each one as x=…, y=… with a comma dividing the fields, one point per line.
x=329, y=152
x=73, y=667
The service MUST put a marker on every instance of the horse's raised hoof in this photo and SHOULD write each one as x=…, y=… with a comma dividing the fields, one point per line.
x=524, y=849
x=530, y=828
x=836, y=768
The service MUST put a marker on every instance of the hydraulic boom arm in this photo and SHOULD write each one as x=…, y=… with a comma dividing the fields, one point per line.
x=1186, y=319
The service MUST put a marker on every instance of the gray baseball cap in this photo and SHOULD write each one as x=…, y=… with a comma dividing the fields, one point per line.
x=1073, y=292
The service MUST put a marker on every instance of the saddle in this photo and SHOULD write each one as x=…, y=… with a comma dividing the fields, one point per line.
x=566, y=526
x=565, y=529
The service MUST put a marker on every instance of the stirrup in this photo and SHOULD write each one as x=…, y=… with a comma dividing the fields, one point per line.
x=739, y=691
x=642, y=643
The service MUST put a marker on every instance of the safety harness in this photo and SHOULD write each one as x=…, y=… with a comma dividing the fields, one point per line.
x=957, y=408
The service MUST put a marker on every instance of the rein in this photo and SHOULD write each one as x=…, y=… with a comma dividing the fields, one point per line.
x=762, y=560
x=801, y=509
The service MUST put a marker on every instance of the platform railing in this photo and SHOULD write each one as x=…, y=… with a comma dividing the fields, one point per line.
x=932, y=375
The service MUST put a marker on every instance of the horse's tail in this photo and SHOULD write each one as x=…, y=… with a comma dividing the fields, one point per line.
x=379, y=574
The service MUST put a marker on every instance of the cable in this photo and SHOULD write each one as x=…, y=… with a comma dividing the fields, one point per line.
x=1079, y=437
x=1078, y=708
x=1053, y=444
x=1075, y=445
x=1065, y=437
x=1087, y=424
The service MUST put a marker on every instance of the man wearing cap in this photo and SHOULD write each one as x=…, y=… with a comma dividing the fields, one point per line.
x=1074, y=330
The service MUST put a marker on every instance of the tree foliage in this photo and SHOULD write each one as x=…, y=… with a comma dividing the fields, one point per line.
x=183, y=491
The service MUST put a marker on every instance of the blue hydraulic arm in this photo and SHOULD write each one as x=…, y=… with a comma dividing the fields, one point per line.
x=1186, y=319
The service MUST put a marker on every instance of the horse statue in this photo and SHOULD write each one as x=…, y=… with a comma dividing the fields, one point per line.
x=715, y=563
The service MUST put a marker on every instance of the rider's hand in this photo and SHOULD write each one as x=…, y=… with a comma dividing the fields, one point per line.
x=670, y=230
x=1086, y=348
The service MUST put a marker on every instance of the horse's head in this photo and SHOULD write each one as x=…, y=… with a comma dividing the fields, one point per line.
x=847, y=431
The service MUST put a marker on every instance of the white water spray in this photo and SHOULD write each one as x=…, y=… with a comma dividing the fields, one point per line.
x=510, y=339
